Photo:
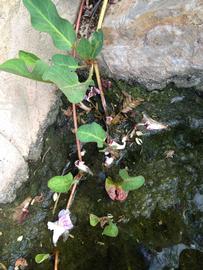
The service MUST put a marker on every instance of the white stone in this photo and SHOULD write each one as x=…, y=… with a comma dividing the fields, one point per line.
x=24, y=104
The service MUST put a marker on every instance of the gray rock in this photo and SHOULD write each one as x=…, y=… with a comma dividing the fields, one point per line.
x=155, y=42
x=26, y=107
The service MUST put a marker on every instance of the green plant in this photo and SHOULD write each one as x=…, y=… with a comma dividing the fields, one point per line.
x=63, y=72
x=110, y=228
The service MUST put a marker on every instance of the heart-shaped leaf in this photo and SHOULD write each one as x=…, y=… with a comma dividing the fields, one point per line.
x=45, y=18
x=94, y=220
x=92, y=133
x=61, y=183
x=28, y=65
x=115, y=190
x=67, y=81
x=130, y=182
x=65, y=61
x=39, y=258
x=89, y=49
x=110, y=230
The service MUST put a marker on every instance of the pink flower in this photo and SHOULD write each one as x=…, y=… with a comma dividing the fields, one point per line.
x=62, y=226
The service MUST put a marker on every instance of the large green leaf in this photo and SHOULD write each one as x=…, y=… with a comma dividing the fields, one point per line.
x=67, y=81
x=92, y=133
x=28, y=65
x=61, y=183
x=89, y=49
x=130, y=182
x=65, y=61
x=45, y=18
x=110, y=230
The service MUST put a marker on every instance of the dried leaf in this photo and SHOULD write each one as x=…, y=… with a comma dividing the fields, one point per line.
x=130, y=103
x=21, y=263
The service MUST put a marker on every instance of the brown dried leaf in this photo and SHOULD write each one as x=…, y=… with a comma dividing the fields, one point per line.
x=21, y=264
x=130, y=103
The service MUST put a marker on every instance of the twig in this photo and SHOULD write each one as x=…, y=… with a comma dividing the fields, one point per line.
x=56, y=260
x=71, y=197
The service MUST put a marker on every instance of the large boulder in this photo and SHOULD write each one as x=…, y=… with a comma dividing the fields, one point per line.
x=26, y=107
x=155, y=42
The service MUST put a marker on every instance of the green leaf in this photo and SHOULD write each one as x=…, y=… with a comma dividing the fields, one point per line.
x=28, y=65
x=29, y=59
x=67, y=81
x=130, y=182
x=89, y=49
x=39, y=258
x=92, y=133
x=61, y=183
x=94, y=220
x=84, y=49
x=45, y=18
x=97, y=43
x=110, y=230
x=65, y=61
x=123, y=174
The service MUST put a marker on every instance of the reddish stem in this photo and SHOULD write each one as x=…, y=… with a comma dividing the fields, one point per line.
x=77, y=26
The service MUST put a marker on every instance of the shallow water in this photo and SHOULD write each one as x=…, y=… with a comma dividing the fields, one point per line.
x=160, y=225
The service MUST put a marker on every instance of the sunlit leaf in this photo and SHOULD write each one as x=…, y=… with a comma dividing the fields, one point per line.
x=131, y=182
x=45, y=18
x=28, y=65
x=110, y=230
x=92, y=133
x=39, y=258
x=65, y=61
x=61, y=183
x=94, y=220
x=29, y=59
x=68, y=82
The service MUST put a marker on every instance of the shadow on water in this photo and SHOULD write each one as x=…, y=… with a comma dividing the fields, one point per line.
x=160, y=225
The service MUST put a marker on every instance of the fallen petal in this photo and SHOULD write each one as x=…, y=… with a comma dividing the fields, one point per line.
x=152, y=124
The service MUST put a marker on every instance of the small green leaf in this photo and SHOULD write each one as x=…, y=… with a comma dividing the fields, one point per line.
x=65, y=61
x=89, y=49
x=110, y=230
x=61, y=183
x=45, y=18
x=92, y=133
x=28, y=65
x=97, y=43
x=123, y=174
x=84, y=49
x=94, y=220
x=130, y=182
x=39, y=258
x=68, y=82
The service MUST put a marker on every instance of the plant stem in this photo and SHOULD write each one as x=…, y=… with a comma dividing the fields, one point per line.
x=77, y=26
x=98, y=77
x=102, y=14
x=56, y=260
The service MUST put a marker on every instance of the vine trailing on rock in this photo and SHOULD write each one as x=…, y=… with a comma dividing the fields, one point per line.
x=63, y=72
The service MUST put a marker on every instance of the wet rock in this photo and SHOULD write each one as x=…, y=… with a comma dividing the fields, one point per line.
x=26, y=107
x=155, y=42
